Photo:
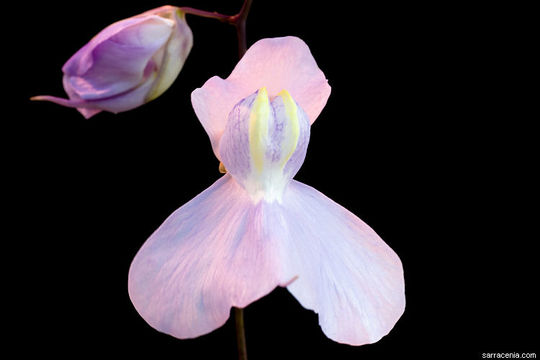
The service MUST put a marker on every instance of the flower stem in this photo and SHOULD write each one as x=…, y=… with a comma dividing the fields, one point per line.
x=240, y=333
x=240, y=24
x=237, y=20
x=206, y=14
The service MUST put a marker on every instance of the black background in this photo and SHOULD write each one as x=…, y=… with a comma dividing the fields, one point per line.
x=421, y=138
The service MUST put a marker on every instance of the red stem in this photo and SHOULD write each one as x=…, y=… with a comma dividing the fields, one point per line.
x=240, y=24
x=206, y=14
x=237, y=20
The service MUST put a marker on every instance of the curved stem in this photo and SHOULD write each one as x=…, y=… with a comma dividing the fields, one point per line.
x=206, y=14
x=240, y=334
x=237, y=20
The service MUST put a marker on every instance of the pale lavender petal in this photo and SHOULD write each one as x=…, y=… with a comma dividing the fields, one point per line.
x=234, y=148
x=213, y=253
x=346, y=273
x=264, y=163
x=212, y=104
x=278, y=64
x=279, y=133
x=222, y=249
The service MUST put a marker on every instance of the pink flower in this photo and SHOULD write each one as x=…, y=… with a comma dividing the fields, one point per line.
x=127, y=64
x=255, y=228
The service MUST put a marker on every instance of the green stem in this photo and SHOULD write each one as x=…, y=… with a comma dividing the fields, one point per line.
x=240, y=334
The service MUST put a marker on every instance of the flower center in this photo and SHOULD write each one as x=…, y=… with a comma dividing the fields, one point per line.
x=264, y=143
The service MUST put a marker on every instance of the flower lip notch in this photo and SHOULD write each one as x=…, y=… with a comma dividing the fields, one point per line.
x=256, y=227
x=127, y=64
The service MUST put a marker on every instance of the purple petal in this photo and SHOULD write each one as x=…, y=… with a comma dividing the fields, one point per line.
x=115, y=60
x=125, y=101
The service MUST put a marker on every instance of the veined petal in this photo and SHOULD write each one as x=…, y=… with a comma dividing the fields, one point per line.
x=213, y=253
x=277, y=64
x=221, y=250
x=346, y=273
x=265, y=143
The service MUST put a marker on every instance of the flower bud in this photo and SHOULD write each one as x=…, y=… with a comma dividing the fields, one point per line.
x=127, y=64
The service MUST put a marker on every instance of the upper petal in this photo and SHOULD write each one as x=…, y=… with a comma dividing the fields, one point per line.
x=345, y=272
x=277, y=64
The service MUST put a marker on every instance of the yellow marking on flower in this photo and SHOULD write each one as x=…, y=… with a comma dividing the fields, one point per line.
x=258, y=128
x=292, y=127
